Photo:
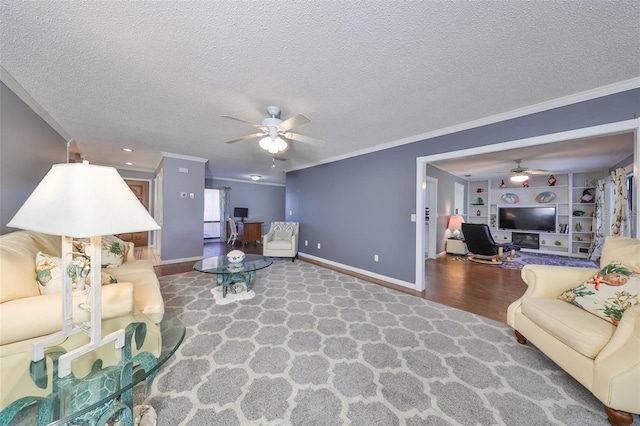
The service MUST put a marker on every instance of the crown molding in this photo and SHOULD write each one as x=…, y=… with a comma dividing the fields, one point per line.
x=246, y=181
x=598, y=92
x=134, y=169
x=21, y=93
x=184, y=157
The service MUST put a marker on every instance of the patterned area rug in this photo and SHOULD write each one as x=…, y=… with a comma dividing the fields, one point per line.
x=528, y=258
x=316, y=347
x=233, y=295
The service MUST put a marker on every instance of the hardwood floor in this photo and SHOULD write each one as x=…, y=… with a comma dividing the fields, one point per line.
x=480, y=289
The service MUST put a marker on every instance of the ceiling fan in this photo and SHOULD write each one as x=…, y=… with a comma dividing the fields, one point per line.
x=275, y=133
x=521, y=174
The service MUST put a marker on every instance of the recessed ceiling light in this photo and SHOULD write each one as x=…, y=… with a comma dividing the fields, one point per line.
x=129, y=163
x=255, y=177
x=127, y=149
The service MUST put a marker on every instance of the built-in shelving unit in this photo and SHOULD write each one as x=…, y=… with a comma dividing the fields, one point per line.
x=573, y=209
x=582, y=211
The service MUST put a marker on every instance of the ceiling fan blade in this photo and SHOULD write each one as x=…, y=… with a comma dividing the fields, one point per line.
x=296, y=121
x=537, y=172
x=258, y=126
x=304, y=139
x=244, y=138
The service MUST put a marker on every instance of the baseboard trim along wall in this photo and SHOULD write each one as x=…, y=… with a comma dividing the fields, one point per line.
x=390, y=280
x=185, y=259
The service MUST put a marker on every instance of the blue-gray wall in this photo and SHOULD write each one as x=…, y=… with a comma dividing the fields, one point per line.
x=356, y=208
x=361, y=206
x=182, y=218
x=266, y=203
x=28, y=148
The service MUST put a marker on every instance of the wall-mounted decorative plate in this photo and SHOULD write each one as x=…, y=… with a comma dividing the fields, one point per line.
x=546, y=197
x=510, y=198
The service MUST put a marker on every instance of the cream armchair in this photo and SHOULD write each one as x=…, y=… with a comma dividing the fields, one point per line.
x=602, y=357
x=281, y=240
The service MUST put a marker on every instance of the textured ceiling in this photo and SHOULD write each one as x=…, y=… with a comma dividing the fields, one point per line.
x=156, y=76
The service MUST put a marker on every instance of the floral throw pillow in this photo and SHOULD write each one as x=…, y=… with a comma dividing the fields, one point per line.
x=49, y=273
x=614, y=289
x=114, y=250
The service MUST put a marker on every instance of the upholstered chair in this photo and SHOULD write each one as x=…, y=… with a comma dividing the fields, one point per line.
x=281, y=240
x=601, y=354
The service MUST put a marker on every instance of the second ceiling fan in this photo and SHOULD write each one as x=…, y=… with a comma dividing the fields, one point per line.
x=520, y=174
x=275, y=133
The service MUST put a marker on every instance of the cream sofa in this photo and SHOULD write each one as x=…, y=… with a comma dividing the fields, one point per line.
x=602, y=357
x=26, y=315
x=281, y=240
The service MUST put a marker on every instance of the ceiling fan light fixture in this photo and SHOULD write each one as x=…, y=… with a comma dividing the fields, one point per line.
x=273, y=146
x=519, y=178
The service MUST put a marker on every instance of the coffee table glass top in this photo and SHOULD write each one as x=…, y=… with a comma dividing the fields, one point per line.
x=221, y=264
x=61, y=398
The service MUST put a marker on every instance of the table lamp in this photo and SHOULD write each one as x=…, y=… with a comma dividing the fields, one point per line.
x=455, y=223
x=79, y=200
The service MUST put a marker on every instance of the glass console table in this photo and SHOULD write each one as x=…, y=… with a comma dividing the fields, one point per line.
x=100, y=387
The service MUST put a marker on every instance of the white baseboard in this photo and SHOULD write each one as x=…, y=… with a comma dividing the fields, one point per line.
x=390, y=280
x=185, y=259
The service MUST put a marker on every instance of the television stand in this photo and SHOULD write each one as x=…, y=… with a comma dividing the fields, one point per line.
x=526, y=240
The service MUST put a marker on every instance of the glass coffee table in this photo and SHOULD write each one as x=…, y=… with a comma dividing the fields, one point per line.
x=229, y=273
x=100, y=386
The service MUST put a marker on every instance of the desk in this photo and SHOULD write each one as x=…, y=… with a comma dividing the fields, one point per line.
x=249, y=232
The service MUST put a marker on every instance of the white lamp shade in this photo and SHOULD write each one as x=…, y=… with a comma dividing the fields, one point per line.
x=83, y=200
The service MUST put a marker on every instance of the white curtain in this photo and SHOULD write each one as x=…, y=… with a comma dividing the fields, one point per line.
x=225, y=198
x=598, y=222
x=620, y=224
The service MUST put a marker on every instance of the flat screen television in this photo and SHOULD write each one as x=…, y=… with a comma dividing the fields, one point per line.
x=241, y=212
x=541, y=219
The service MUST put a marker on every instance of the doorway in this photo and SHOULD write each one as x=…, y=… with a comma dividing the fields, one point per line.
x=632, y=126
x=140, y=189
x=431, y=217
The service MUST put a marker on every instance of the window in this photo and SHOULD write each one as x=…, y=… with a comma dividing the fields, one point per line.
x=211, y=213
